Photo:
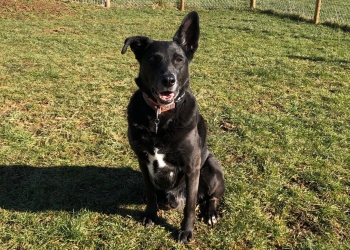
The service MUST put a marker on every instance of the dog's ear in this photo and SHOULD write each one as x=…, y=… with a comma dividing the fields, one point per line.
x=187, y=36
x=138, y=45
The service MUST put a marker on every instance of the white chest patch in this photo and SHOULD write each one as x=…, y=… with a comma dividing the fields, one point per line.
x=156, y=159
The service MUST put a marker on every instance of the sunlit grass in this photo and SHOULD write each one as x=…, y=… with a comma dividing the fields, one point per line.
x=274, y=93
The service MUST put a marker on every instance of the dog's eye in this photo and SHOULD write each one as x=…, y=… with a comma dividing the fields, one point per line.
x=178, y=59
x=152, y=59
x=156, y=59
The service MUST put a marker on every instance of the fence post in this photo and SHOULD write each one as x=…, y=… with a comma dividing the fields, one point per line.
x=107, y=3
x=182, y=5
x=252, y=4
x=317, y=11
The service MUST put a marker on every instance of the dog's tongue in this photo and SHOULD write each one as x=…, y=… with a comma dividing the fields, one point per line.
x=166, y=96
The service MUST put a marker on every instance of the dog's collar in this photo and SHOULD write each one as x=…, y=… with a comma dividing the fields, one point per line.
x=159, y=108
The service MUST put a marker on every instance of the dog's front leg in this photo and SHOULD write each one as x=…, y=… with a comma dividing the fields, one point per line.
x=151, y=208
x=192, y=180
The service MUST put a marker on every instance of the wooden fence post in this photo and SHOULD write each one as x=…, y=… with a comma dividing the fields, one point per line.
x=182, y=5
x=252, y=4
x=107, y=3
x=317, y=11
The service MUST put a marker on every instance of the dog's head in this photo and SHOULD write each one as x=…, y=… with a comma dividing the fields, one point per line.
x=164, y=72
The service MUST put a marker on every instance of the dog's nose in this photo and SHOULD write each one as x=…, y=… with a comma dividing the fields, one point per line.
x=168, y=80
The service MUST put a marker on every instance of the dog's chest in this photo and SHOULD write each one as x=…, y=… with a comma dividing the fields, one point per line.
x=161, y=173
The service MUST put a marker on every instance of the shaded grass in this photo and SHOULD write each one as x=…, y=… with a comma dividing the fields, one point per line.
x=274, y=92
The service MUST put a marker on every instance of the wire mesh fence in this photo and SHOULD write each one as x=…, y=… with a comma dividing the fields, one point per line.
x=332, y=11
x=335, y=11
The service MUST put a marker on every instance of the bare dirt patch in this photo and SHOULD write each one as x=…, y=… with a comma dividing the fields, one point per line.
x=36, y=7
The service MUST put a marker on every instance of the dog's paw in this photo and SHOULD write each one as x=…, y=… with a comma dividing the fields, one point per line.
x=212, y=219
x=184, y=236
x=209, y=213
x=149, y=220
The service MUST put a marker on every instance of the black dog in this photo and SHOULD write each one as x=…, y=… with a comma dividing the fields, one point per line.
x=166, y=131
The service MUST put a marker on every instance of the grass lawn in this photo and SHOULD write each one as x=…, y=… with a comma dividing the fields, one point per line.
x=275, y=94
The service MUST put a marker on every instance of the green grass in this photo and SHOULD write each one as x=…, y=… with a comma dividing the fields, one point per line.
x=335, y=12
x=275, y=94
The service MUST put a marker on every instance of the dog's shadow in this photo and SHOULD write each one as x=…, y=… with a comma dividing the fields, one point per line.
x=106, y=190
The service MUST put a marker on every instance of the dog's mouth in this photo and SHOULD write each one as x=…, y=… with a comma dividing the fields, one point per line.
x=164, y=97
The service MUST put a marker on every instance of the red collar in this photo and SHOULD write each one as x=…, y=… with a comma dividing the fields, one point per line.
x=156, y=106
x=159, y=108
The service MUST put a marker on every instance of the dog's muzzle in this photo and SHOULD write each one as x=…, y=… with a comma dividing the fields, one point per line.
x=165, y=91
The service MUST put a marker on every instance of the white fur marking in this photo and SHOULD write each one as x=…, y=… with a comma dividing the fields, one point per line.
x=159, y=158
x=152, y=158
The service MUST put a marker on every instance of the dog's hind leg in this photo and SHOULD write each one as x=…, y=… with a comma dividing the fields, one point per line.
x=211, y=188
